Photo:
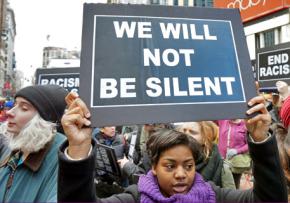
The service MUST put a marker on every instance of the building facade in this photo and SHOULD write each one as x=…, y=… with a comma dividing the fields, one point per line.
x=203, y=3
x=10, y=63
x=267, y=30
x=7, y=55
x=58, y=55
x=3, y=5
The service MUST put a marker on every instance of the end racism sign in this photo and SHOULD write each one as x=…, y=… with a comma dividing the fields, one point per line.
x=274, y=65
x=157, y=64
x=69, y=78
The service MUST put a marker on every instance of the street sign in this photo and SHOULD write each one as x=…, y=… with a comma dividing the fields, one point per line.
x=158, y=64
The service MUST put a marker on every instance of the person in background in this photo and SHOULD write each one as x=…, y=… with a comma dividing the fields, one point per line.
x=108, y=184
x=233, y=141
x=283, y=89
x=285, y=108
x=3, y=145
x=28, y=171
x=211, y=165
x=132, y=169
x=283, y=142
x=173, y=154
x=6, y=107
x=148, y=129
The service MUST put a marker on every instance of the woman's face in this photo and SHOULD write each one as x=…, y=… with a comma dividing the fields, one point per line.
x=19, y=115
x=192, y=129
x=109, y=131
x=175, y=170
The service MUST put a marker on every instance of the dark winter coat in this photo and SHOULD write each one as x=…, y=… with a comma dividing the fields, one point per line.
x=76, y=182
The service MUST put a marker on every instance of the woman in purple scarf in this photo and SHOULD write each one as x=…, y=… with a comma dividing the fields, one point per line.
x=173, y=177
x=173, y=154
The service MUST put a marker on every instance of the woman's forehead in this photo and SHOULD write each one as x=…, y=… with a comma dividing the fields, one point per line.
x=176, y=151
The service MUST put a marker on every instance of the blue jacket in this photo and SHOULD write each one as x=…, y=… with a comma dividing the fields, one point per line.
x=35, y=180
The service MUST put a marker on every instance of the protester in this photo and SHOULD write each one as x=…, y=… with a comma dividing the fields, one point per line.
x=3, y=146
x=133, y=169
x=283, y=89
x=148, y=129
x=173, y=164
x=211, y=165
x=233, y=141
x=285, y=112
x=283, y=142
x=6, y=107
x=29, y=172
x=108, y=184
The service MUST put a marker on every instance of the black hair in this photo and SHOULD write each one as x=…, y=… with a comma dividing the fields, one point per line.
x=164, y=139
x=287, y=139
x=283, y=142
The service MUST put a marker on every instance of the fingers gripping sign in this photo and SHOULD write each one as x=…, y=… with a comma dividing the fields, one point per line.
x=258, y=125
x=75, y=122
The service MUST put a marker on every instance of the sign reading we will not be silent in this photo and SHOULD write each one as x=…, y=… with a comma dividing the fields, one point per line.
x=158, y=64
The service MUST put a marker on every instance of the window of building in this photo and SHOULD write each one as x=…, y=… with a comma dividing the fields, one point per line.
x=154, y=1
x=209, y=3
x=203, y=3
x=269, y=38
x=175, y=2
x=163, y=2
x=185, y=2
x=257, y=41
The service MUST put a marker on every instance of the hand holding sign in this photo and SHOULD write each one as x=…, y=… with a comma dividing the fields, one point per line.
x=123, y=161
x=283, y=89
x=258, y=126
x=75, y=122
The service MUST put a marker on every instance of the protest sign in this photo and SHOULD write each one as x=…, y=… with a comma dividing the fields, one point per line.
x=158, y=64
x=273, y=65
x=106, y=160
x=132, y=146
x=69, y=78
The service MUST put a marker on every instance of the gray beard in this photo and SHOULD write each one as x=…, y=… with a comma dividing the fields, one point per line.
x=33, y=137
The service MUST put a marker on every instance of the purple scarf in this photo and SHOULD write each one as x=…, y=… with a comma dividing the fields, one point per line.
x=200, y=191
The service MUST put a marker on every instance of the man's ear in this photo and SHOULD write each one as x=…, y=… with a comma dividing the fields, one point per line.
x=153, y=168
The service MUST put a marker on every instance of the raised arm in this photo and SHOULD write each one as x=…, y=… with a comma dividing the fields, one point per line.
x=258, y=126
x=75, y=123
x=77, y=159
x=269, y=181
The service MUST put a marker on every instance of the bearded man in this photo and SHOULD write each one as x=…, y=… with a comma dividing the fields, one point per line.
x=28, y=173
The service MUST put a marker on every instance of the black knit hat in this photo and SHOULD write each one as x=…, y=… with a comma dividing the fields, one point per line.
x=49, y=100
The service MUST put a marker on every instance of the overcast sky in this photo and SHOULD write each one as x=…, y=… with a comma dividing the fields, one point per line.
x=36, y=19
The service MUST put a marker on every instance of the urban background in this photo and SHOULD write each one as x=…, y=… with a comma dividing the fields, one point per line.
x=266, y=27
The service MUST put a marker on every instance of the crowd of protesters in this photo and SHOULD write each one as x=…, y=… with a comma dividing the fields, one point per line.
x=173, y=162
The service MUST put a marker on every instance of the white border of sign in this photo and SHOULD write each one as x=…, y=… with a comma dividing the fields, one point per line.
x=168, y=104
